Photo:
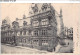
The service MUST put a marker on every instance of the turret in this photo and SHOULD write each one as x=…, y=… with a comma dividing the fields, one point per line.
x=61, y=24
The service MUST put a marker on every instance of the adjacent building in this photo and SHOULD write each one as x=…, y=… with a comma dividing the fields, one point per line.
x=68, y=32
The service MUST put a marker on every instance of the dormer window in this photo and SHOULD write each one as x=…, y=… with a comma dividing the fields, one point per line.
x=35, y=8
x=44, y=6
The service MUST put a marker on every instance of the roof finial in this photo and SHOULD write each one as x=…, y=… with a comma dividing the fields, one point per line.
x=24, y=17
x=16, y=19
x=61, y=12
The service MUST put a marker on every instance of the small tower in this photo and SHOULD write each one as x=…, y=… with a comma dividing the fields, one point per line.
x=61, y=24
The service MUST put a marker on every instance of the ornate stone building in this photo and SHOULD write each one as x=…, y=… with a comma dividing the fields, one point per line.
x=5, y=30
x=41, y=33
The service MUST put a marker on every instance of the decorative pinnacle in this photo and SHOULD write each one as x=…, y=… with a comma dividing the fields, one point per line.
x=60, y=12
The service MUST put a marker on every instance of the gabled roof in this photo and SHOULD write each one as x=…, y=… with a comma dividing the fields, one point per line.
x=37, y=8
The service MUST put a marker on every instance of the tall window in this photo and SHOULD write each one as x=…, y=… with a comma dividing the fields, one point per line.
x=24, y=33
x=44, y=32
x=35, y=23
x=20, y=32
x=44, y=22
x=36, y=33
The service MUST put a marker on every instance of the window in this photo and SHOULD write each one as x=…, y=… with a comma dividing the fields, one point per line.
x=44, y=22
x=44, y=32
x=24, y=33
x=72, y=31
x=35, y=40
x=36, y=33
x=44, y=6
x=35, y=23
x=21, y=32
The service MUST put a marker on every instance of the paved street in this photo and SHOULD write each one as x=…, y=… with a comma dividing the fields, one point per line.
x=19, y=49
x=68, y=48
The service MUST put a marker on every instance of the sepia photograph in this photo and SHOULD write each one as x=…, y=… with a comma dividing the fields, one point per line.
x=38, y=28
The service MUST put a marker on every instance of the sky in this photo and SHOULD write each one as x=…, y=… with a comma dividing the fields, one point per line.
x=70, y=11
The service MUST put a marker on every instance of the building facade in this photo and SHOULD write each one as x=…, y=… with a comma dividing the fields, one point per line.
x=68, y=32
x=41, y=33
